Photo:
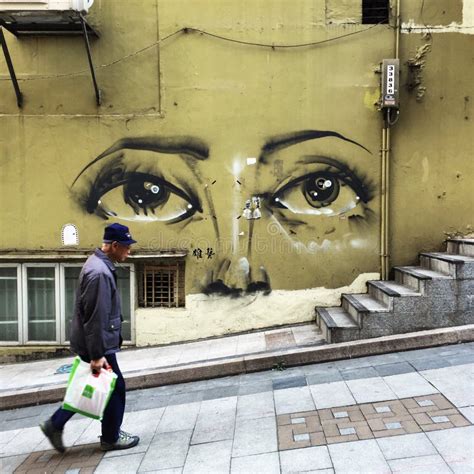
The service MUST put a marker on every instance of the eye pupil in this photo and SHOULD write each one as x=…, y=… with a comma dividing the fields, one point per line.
x=321, y=189
x=143, y=194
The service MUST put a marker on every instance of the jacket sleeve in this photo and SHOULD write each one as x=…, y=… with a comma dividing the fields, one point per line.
x=97, y=303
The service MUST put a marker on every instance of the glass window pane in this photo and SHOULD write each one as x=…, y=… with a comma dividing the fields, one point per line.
x=41, y=304
x=123, y=284
x=8, y=304
x=71, y=279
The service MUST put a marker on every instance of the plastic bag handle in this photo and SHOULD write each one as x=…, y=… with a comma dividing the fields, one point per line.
x=107, y=367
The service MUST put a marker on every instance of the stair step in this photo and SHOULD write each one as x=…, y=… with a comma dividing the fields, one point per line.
x=336, y=325
x=359, y=304
x=394, y=289
x=448, y=257
x=364, y=303
x=423, y=273
x=390, y=293
x=418, y=277
x=336, y=317
x=461, y=247
x=459, y=266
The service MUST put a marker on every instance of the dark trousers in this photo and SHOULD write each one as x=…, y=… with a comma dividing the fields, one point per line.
x=113, y=414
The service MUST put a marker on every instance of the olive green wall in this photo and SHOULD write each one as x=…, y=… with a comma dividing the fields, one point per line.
x=232, y=99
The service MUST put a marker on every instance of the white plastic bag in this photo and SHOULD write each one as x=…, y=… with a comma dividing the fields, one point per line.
x=86, y=393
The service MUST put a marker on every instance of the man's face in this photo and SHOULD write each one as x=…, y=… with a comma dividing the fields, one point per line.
x=120, y=252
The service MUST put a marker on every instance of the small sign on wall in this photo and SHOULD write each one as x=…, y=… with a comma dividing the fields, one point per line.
x=69, y=235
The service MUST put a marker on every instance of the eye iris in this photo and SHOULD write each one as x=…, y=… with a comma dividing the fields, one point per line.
x=141, y=194
x=321, y=189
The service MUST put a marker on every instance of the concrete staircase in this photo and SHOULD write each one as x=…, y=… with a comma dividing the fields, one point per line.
x=438, y=293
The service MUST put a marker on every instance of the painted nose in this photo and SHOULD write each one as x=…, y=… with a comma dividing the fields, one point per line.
x=236, y=278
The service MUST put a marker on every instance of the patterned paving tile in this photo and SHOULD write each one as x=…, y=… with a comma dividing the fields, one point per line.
x=83, y=459
x=366, y=421
x=279, y=340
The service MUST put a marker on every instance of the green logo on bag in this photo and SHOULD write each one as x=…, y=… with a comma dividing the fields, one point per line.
x=88, y=391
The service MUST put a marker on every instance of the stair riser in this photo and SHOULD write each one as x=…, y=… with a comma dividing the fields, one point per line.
x=356, y=316
x=409, y=280
x=461, y=248
x=345, y=335
x=381, y=296
x=399, y=324
x=361, y=334
x=461, y=270
x=438, y=265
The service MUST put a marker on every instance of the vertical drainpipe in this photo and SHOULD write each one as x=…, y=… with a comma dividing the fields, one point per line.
x=385, y=171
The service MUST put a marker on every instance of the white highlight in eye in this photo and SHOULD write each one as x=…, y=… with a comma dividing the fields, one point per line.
x=190, y=206
x=99, y=202
x=154, y=188
x=251, y=161
x=327, y=184
x=277, y=199
x=140, y=201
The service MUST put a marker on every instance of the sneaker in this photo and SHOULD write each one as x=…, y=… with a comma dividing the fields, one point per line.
x=124, y=441
x=54, y=436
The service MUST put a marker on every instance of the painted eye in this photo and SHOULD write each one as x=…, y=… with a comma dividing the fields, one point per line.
x=144, y=195
x=326, y=192
x=321, y=189
x=136, y=196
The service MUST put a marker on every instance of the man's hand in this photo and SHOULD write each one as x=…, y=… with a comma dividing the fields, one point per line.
x=97, y=364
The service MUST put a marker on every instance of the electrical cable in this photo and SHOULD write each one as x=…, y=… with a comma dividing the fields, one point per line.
x=391, y=122
x=188, y=30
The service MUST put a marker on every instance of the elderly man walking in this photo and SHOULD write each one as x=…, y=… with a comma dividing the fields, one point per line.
x=95, y=336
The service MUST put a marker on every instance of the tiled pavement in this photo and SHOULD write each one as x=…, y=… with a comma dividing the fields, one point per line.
x=402, y=412
x=366, y=421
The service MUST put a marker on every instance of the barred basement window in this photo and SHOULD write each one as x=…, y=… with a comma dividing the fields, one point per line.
x=375, y=11
x=162, y=285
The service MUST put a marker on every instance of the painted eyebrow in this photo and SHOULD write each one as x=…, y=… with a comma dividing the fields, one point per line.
x=191, y=146
x=279, y=142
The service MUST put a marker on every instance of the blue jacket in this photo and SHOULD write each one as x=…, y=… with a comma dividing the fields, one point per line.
x=97, y=319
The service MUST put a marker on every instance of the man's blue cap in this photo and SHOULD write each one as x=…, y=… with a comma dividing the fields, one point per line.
x=118, y=233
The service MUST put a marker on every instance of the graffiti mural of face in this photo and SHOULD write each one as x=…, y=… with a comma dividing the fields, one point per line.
x=274, y=215
x=262, y=165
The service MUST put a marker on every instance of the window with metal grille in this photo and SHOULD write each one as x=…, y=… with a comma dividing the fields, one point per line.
x=162, y=285
x=375, y=11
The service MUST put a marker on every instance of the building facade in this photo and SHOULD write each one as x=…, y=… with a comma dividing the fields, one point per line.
x=241, y=143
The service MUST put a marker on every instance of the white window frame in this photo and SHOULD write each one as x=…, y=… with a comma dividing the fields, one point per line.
x=24, y=289
x=133, y=304
x=62, y=279
x=18, y=304
x=60, y=302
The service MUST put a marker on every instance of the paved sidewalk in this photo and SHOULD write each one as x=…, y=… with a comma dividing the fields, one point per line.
x=41, y=382
x=34, y=374
x=409, y=411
